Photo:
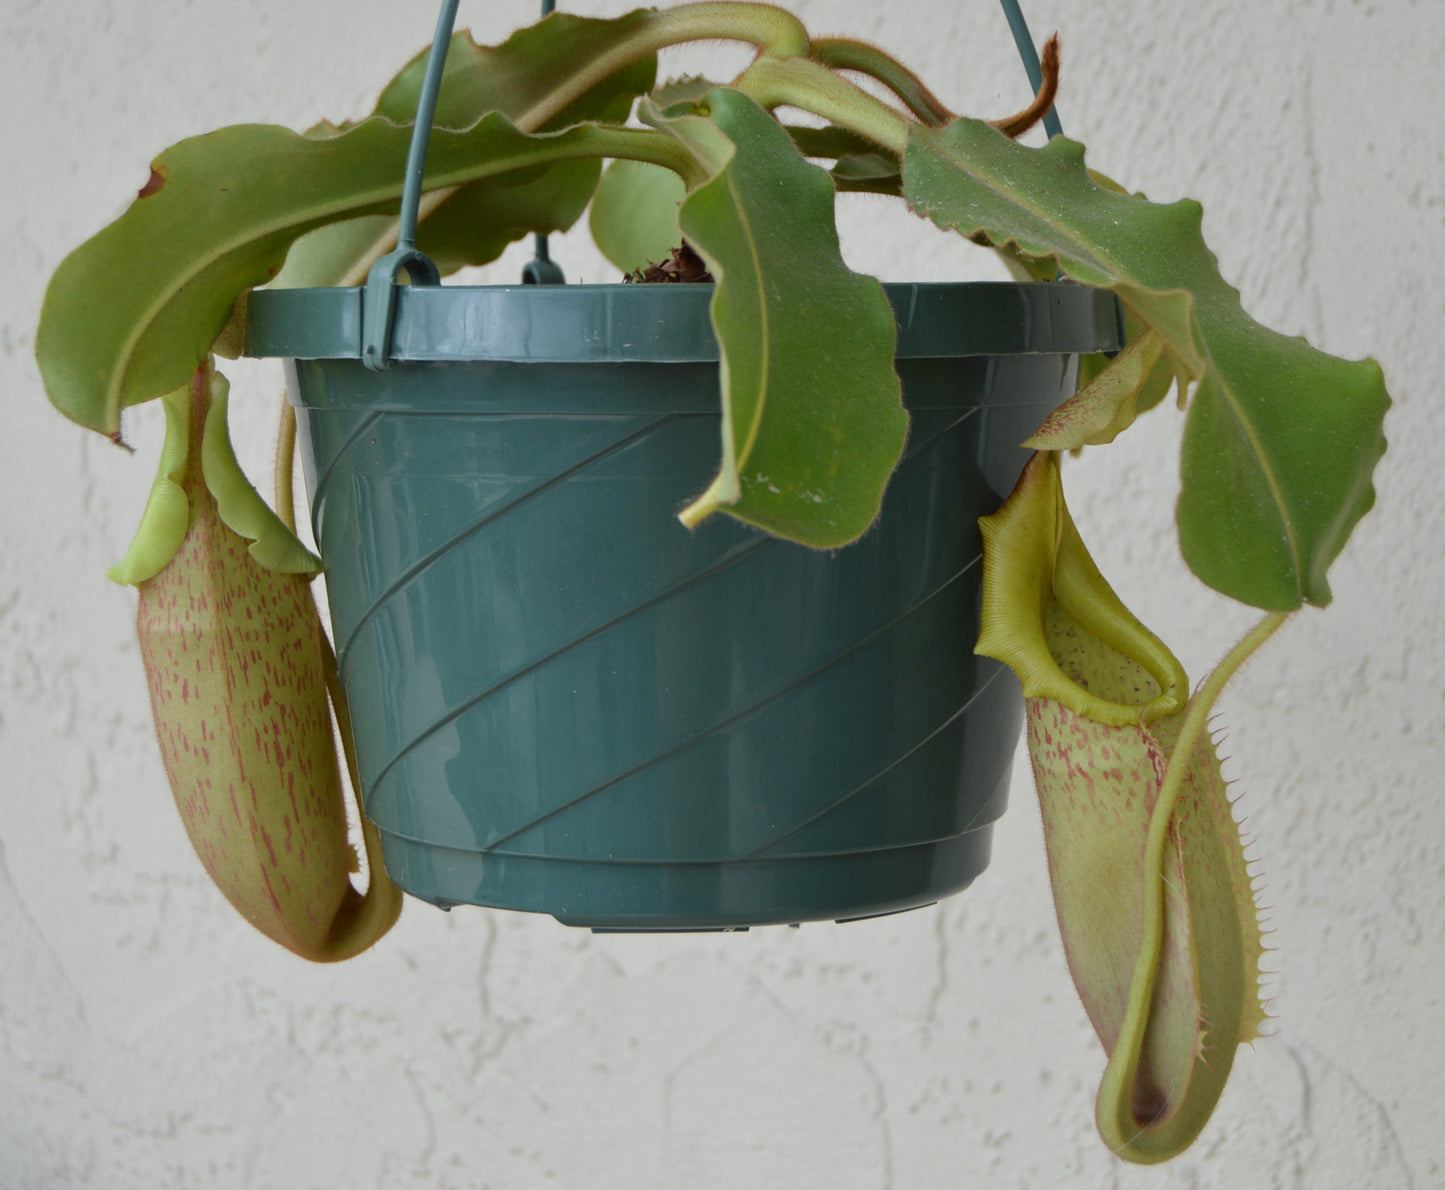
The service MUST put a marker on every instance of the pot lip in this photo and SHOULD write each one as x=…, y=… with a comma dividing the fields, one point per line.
x=630, y=323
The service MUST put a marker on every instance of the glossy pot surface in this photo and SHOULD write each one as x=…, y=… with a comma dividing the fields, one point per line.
x=564, y=701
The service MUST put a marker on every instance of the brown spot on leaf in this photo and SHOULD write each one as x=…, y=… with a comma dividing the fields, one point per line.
x=153, y=184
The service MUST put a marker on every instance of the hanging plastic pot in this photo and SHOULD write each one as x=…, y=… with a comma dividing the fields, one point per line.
x=564, y=701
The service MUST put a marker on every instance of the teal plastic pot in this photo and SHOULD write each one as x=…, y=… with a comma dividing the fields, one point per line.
x=566, y=702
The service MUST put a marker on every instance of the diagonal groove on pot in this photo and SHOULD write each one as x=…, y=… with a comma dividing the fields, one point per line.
x=681, y=585
x=761, y=851
x=456, y=712
x=323, y=480
x=768, y=700
x=714, y=861
x=462, y=708
x=796, y=828
x=423, y=564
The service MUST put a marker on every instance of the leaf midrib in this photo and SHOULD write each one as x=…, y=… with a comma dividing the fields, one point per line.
x=1010, y=196
x=767, y=339
x=1228, y=395
x=1248, y=429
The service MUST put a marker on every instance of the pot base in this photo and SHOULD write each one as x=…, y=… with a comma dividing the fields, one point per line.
x=699, y=896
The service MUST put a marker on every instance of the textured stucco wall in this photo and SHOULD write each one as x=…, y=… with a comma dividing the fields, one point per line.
x=149, y=1039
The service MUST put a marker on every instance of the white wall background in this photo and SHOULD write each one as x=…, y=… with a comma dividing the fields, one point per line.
x=148, y=1038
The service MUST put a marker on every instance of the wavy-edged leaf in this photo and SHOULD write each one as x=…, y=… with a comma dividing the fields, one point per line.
x=472, y=227
x=813, y=423
x=133, y=311
x=634, y=214
x=476, y=224
x=525, y=70
x=1281, y=440
x=1166, y=372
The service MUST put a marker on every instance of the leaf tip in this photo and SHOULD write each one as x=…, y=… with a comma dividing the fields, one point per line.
x=708, y=503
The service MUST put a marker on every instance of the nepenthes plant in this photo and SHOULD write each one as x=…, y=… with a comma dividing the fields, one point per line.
x=1279, y=445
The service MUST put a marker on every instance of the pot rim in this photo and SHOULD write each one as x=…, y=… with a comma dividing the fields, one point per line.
x=663, y=323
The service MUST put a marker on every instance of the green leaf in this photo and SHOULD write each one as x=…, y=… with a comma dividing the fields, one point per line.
x=634, y=214
x=521, y=73
x=472, y=227
x=475, y=225
x=131, y=313
x=1165, y=372
x=830, y=141
x=1281, y=440
x=687, y=89
x=324, y=257
x=813, y=424
x=874, y=174
x=860, y=165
